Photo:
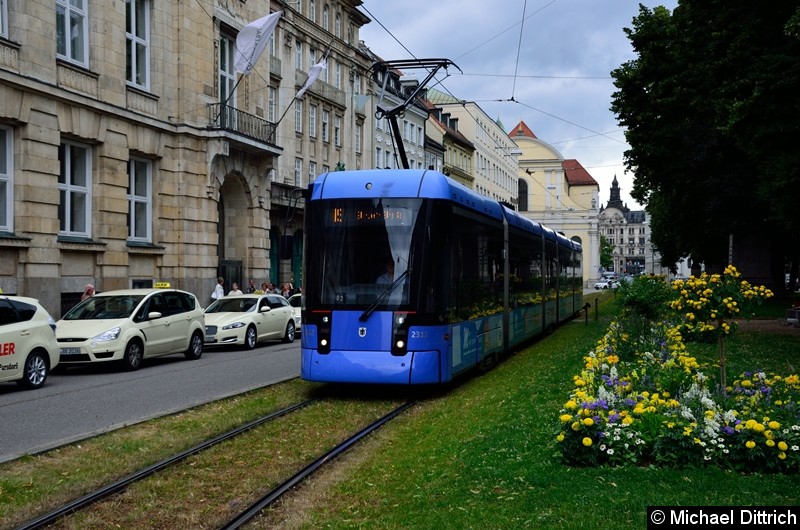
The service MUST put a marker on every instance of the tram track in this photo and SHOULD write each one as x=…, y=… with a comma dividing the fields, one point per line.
x=94, y=501
x=276, y=493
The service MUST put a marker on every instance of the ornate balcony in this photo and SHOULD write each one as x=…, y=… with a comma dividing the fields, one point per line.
x=230, y=119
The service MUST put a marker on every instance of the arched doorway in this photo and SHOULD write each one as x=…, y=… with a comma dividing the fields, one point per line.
x=233, y=231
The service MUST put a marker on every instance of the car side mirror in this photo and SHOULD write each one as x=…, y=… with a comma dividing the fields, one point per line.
x=265, y=308
x=152, y=315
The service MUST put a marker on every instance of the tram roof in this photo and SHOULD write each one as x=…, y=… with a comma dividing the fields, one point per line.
x=400, y=183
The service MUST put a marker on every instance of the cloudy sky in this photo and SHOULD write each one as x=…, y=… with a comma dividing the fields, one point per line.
x=546, y=62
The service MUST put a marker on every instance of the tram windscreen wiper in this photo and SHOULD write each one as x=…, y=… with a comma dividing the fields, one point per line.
x=385, y=294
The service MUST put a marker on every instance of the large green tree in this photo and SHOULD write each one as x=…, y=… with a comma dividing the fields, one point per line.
x=711, y=107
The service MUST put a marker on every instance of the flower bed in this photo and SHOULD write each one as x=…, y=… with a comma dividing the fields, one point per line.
x=656, y=407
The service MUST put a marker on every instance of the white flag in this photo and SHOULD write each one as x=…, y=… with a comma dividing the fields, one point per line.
x=313, y=74
x=252, y=40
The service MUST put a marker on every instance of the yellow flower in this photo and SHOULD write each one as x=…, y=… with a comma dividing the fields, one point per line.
x=560, y=437
x=587, y=441
x=627, y=420
x=770, y=443
x=575, y=426
x=565, y=418
x=750, y=444
x=774, y=425
x=569, y=405
x=782, y=455
x=782, y=446
x=588, y=422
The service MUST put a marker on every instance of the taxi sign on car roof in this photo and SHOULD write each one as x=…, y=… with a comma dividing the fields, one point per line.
x=162, y=285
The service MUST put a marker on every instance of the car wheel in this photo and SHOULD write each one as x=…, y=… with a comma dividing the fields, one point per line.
x=289, y=336
x=132, y=358
x=35, y=371
x=250, y=337
x=195, y=347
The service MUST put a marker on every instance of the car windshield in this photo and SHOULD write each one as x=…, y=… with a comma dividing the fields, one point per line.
x=104, y=307
x=232, y=305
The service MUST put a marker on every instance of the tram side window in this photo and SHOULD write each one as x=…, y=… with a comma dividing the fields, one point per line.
x=525, y=265
x=551, y=271
x=476, y=265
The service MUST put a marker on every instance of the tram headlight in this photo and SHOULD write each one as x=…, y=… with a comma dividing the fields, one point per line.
x=399, y=334
x=324, y=334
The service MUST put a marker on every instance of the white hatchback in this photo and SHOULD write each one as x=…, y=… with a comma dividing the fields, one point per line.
x=28, y=347
x=130, y=325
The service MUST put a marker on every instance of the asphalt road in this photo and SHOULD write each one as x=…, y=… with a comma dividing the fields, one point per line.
x=83, y=402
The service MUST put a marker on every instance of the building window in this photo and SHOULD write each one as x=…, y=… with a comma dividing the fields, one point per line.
x=338, y=26
x=74, y=186
x=312, y=10
x=378, y=157
x=326, y=118
x=3, y=18
x=326, y=19
x=72, y=36
x=312, y=121
x=298, y=55
x=298, y=172
x=337, y=131
x=338, y=76
x=300, y=7
x=272, y=104
x=137, y=41
x=312, y=172
x=298, y=116
x=359, y=135
x=6, y=180
x=140, y=197
x=227, y=74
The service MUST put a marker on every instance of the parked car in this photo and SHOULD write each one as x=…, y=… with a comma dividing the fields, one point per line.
x=28, y=347
x=296, y=301
x=606, y=284
x=131, y=325
x=247, y=319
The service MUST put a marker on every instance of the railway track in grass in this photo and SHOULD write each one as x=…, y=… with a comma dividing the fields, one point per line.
x=145, y=499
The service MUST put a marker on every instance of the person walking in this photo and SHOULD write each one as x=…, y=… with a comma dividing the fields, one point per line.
x=235, y=291
x=219, y=289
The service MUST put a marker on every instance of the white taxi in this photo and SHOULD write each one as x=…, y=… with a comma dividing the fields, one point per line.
x=28, y=347
x=130, y=325
x=296, y=301
x=248, y=319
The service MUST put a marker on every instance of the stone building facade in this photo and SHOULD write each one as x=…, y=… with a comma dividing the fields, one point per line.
x=629, y=233
x=560, y=194
x=132, y=152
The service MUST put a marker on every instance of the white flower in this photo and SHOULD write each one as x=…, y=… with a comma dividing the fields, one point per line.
x=610, y=451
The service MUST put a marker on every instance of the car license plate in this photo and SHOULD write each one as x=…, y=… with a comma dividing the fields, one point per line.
x=70, y=351
x=211, y=338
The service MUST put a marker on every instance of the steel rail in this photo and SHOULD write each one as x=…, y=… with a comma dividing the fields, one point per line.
x=121, y=484
x=271, y=497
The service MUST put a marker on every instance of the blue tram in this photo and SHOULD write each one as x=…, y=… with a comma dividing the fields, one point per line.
x=412, y=278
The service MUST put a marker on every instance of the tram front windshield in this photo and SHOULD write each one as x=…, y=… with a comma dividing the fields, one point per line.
x=361, y=253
